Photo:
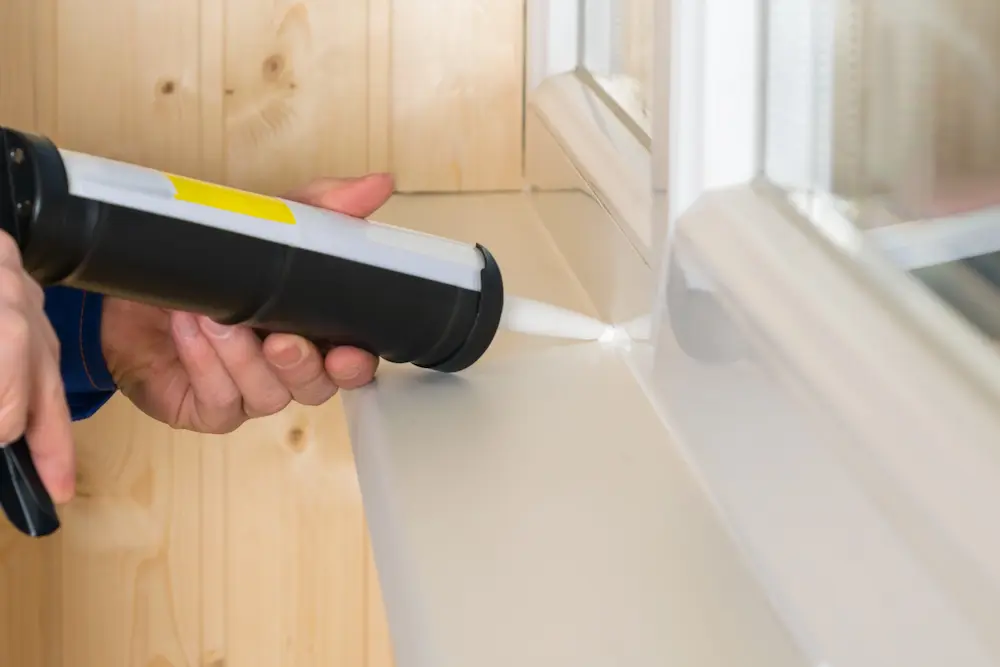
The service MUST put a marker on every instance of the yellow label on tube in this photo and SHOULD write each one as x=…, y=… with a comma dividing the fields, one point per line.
x=232, y=200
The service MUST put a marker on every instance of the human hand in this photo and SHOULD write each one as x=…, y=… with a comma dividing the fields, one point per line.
x=188, y=372
x=32, y=397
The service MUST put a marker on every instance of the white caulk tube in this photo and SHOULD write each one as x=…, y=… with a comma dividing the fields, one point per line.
x=240, y=258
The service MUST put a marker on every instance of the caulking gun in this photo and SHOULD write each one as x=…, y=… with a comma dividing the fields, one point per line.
x=240, y=258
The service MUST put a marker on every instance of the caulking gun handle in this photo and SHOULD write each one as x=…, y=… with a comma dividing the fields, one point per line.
x=23, y=497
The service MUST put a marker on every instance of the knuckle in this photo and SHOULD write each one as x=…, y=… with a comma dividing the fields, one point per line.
x=35, y=292
x=12, y=287
x=15, y=332
x=307, y=373
x=54, y=394
x=13, y=411
x=54, y=343
x=9, y=252
x=224, y=399
x=219, y=422
x=271, y=403
x=315, y=400
x=13, y=419
x=225, y=427
x=317, y=393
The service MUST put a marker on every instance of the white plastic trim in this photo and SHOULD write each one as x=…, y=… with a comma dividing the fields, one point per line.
x=716, y=97
x=920, y=243
x=608, y=155
x=553, y=28
x=600, y=48
x=799, y=94
x=905, y=473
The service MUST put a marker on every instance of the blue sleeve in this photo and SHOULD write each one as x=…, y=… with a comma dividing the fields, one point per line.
x=76, y=317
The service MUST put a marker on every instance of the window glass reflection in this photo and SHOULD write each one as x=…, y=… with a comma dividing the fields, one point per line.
x=888, y=111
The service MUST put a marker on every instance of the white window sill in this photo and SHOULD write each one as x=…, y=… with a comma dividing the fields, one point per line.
x=566, y=504
x=534, y=510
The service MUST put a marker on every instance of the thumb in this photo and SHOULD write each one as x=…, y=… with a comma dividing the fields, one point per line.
x=358, y=197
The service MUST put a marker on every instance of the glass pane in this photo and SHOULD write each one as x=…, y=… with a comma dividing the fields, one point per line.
x=886, y=113
x=618, y=53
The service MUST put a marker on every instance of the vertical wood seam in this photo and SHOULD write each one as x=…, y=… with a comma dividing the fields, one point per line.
x=390, y=96
x=366, y=602
x=379, y=91
x=214, y=539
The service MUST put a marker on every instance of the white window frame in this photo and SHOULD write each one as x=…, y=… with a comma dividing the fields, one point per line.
x=614, y=157
x=788, y=268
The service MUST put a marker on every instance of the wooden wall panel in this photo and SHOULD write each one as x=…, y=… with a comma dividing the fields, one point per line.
x=17, y=66
x=457, y=81
x=25, y=628
x=295, y=533
x=131, y=551
x=129, y=81
x=251, y=549
x=429, y=90
x=296, y=101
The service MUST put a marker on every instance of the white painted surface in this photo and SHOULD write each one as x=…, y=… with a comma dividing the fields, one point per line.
x=920, y=243
x=848, y=454
x=799, y=94
x=553, y=29
x=791, y=487
x=533, y=512
x=600, y=30
x=716, y=98
x=605, y=152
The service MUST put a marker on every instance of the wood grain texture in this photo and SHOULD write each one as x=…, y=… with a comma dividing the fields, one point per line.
x=17, y=66
x=131, y=551
x=292, y=487
x=295, y=86
x=251, y=549
x=457, y=89
x=431, y=91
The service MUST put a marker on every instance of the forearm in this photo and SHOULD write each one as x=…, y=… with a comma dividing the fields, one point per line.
x=76, y=318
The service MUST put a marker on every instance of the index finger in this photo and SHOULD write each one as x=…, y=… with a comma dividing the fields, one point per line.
x=49, y=431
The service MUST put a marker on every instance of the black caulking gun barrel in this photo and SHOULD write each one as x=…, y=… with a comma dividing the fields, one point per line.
x=240, y=258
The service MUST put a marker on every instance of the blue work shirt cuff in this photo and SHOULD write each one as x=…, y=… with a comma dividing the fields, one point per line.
x=76, y=316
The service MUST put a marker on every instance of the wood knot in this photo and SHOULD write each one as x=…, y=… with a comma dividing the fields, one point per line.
x=297, y=439
x=83, y=489
x=273, y=67
x=168, y=87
